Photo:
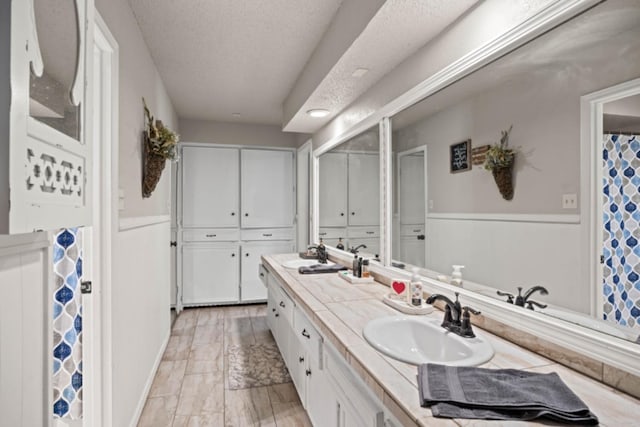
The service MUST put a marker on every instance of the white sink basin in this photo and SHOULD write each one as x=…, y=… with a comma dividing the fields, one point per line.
x=294, y=264
x=419, y=340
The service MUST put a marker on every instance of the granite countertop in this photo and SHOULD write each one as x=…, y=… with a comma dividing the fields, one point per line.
x=341, y=310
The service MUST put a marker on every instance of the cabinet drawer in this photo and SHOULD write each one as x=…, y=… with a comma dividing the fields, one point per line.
x=210, y=235
x=363, y=232
x=333, y=233
x=284, y=303
x=412, y=230
x=308, y=335
x=267, y=234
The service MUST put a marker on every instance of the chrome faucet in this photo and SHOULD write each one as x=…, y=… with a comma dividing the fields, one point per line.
x=456, y=318
x=354, y=250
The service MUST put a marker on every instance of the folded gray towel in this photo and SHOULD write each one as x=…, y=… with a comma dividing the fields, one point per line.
x=321, y=268
x=499, y=394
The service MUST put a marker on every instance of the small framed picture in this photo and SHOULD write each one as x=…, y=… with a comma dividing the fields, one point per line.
x=461, y=156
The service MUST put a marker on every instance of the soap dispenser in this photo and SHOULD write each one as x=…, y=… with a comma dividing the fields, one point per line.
x=416, y=288
x=456, y=276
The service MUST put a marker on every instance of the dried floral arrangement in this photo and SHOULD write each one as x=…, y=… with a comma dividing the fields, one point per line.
x=160, y=144
x=161, y=140
x=500, y=155
x=499, y=160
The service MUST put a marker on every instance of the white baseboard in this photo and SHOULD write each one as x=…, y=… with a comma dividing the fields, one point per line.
x=147, y=386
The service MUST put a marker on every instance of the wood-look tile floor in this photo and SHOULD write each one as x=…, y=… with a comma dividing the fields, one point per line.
x=191, y=388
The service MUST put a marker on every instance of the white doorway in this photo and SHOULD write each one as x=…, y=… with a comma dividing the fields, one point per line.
x=98, y=238
x=601, y=271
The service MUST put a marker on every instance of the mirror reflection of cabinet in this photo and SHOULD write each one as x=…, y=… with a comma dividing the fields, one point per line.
x=43, y=115
x=349, y=199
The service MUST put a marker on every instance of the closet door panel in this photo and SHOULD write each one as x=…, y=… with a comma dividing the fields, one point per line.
x=364, y=189
x=267, y=188
x=210, y=187
x=333, y=190
x=210, y=273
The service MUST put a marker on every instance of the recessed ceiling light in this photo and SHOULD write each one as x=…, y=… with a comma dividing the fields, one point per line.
x=359, y=72
x=318, y=112
x=235, y=114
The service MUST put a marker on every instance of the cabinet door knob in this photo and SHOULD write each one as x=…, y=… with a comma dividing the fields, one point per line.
x=233, y=214
x=277, y=315
x=353, y=213
x=305, y=334
x=232, y=255
x=282, y=304
x=273, y=309
x=341, y=213
x=301, y=359
x=247, y=254
x=246, y=214
x=308, y=372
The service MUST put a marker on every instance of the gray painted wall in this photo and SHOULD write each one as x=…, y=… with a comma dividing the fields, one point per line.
x=138, y=78
x=236, y=133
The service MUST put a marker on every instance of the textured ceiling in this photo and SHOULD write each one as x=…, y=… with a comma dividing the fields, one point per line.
x=219, y=57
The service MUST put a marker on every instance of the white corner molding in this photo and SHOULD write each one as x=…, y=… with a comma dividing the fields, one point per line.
x=497, y=217
x=126, y=224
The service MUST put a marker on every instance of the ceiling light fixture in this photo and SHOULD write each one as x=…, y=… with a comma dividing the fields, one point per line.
x=359, y=72
x=318, y=112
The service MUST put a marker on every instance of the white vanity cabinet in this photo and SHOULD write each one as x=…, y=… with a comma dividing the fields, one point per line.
x=329, y=390
x=210, y=183
x=45, y=121
x=267, y=188
x=251, y=288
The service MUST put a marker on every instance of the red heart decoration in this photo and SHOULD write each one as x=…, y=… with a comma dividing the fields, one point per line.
x=399, y=287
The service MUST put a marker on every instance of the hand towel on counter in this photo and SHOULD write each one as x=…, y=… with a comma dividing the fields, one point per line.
x=499, y=394
x=321, y=268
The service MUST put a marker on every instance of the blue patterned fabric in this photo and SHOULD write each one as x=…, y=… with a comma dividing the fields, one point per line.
x=621, y=220
x=67, y=324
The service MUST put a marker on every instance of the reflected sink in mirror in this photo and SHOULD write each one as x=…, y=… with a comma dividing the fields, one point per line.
x=294, y=264
x=418, y=340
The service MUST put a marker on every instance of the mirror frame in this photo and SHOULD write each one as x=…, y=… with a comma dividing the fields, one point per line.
x=609, y=350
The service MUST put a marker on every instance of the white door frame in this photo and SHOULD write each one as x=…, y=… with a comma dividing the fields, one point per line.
x=591, y=118
x=97, y=342
x=303, y=188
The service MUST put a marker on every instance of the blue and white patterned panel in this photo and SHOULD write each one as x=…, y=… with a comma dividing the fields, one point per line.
x=67, y=324
x=621, y=239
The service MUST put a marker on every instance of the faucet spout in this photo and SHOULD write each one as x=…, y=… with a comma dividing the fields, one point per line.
x=453, y=307
x=534, y=289
x=354, y=250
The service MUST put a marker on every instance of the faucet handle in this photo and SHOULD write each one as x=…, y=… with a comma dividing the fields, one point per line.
x=465, y=326
x=506, y=294
x=531, y=303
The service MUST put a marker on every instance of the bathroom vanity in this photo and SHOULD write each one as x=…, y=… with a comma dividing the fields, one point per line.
x=317, y=321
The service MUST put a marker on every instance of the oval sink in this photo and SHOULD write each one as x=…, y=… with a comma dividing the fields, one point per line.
x=294, y=264
x=419, y=340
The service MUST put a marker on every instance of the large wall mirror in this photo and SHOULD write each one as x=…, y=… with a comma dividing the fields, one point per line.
x=445, y=216
x=53, y=93
x=349, y=194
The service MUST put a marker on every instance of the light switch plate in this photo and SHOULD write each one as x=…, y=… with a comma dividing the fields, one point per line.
x=570, y=201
